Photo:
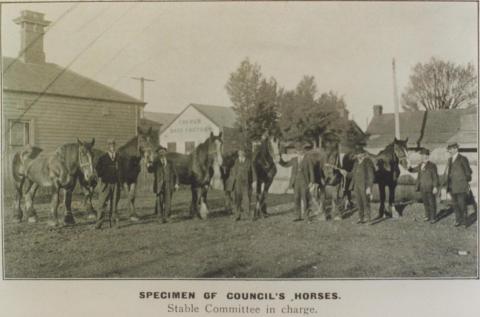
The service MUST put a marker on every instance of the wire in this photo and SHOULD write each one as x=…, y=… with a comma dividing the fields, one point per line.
x=40, y=36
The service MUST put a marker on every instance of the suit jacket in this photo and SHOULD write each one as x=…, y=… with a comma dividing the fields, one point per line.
x=165, y=176
x=363, y=174
x=427, y=177
x=108, y=170
x=302, y=172
x=457, y=175
x=241, y=174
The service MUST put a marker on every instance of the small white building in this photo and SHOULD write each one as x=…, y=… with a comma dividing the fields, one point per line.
x=193, y=125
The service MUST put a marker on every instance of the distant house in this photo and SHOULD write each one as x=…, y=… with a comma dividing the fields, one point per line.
x=47, y=105
x=430, y=129
x=194, y=124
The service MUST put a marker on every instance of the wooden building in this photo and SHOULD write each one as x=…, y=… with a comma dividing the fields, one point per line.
x=47, y=105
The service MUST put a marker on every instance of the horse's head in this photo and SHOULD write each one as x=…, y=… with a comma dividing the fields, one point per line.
x=85, y=160
x=401, y=152
x=146, y=145
x=215, y=148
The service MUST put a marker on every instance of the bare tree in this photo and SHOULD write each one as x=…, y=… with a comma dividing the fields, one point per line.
x=440, y=85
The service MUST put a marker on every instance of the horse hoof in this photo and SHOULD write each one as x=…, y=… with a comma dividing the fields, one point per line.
x=92, y=216
x=32, y=219
x=134, y=218
x=68, y=219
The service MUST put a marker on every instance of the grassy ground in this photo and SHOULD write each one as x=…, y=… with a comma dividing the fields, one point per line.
x=219, y=247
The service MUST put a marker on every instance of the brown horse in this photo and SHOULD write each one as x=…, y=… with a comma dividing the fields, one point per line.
x=142, y=146
x=58, y=170
x=196, y=170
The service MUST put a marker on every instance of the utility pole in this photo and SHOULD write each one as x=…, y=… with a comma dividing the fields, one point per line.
x=395, y=102
x=142, y=86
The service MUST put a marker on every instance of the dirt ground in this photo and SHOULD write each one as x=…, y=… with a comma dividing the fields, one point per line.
x=220, y=247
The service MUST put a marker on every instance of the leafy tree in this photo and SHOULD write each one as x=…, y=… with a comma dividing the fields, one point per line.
x=254, y=99
x=440, y=85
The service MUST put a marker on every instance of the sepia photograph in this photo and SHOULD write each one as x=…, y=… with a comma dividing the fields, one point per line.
x=239, y=140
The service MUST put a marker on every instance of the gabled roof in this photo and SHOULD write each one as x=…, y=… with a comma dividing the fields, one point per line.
x=432, y=128
x=221, y=116
x=36, y=78
x=162, y=118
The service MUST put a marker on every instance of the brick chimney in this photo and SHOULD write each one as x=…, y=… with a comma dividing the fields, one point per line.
x=32, y=28
x=377, y=110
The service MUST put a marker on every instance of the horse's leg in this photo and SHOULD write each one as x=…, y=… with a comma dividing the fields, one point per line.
x=17, y=207
x=321, y=198
x=54, y=206
x=391, y=200
x=381, y=210
x=131, y=200
x=203, y=190
x=29, y=197
x=87, y=202
x=263, y=202
x=68, y=219
x=193, y=205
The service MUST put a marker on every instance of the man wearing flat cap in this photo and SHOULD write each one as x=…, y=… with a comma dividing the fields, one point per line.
x=457, y=176
x=427, y=184
x=301, y=178
x=109, y=172
x=164, y=184
x=242, y=179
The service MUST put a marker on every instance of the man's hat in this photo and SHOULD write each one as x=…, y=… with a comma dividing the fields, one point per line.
x=424, y=151
x=111, y=141
x=161, y=149
x=307, y=146
x=452, y=145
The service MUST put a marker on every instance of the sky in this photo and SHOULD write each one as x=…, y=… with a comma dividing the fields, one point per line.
x=190, y=48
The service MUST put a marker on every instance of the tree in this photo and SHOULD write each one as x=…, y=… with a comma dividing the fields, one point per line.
x=254, y=99
x=440, y=85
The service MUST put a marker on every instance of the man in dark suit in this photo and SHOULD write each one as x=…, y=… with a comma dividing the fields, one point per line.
x=241, y=181
x=427, y=184
x=363, y=177
x=164, y=184
x=301, y=179
x=109, y=172
x=457, y=176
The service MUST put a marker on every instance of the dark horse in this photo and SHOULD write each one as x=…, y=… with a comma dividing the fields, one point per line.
x=265, y=168
x=59, y=170
x=142, y=146
x=387, y=171
x=196, y=169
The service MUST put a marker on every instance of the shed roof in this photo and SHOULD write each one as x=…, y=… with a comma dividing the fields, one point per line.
x=52, y=79
x=431, y=128
x=162, y=118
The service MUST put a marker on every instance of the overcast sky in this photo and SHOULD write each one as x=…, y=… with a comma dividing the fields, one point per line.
x=190, y=49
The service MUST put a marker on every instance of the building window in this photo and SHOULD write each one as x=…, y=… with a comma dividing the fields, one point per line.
x=19, y=133
x=172, y=147
x=189, y=147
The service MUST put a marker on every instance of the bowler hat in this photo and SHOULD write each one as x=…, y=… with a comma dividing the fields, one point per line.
x=452, y=145
x=161, y=149
x=424, y=151
x=307, y=146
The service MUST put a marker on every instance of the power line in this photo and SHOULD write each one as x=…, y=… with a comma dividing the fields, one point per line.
x=71, y=63
x=40, y=36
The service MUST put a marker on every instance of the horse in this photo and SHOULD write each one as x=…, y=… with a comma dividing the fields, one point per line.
x=265, y=168
x=196, y=170
x=387, y=163
x=59, y=170
x=329, y=182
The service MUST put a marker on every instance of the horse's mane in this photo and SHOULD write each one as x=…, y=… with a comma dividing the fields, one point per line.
x=61, y=151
